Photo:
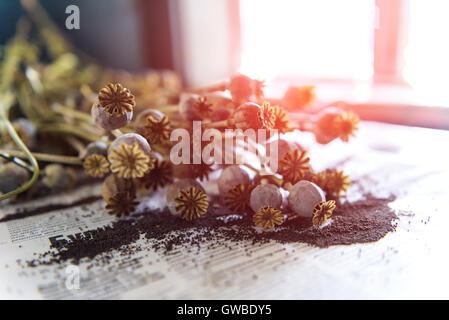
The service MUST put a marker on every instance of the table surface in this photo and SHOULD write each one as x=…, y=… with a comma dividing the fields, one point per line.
x=411, y=262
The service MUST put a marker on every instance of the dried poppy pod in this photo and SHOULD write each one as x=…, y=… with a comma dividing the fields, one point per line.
x=153, y=125
x=58, y=177
x=325, y=130
x=194, y=107
x=130, y=138
x=265, y=195
x=268, y=218
x=196, y=197
x=97, y=147
x=243, y=88
x=303, y=198
x=335, y=123
x=142, y=117
x=248, y=116
x=230, y=177
x=297, y=98
x=113, y=185
x=114, y=107
x=130, y=156
x=26, y=131
x=12, y=176
x=284, y=147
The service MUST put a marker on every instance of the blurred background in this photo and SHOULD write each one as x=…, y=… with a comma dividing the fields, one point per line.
x=386, y=59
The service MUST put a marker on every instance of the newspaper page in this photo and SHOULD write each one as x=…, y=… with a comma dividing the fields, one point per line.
x=391, y=267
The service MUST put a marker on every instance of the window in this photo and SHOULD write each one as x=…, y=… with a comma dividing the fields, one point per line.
x=313, y=39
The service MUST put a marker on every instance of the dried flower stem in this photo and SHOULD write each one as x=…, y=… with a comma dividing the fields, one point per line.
x=45, y=157
x=117, y=133
x=66, y=111
x=169, y=108
x=4, y=108
x=65, y=128
x=222, y=123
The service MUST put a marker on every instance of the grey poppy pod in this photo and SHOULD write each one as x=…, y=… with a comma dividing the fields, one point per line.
x=265, y=195
x=130, y=138
x=57, y=177
x=142, y=117
x=284, y=147
x=303, y=198
x=12, y=176
x=174, y=189
x=97, y=147
x=109, y=121
x=230, y=177
x=186, y=106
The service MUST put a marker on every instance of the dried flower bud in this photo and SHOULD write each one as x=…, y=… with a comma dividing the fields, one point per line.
x=173, y=192
x=116, y=99
x=303, y=198
x=26, y=131
x=129, y=161
x=114, y=108
x=243, y=88
x=346, y=124
x=281, y=122
x=12, y=176
x=96, y=165
x=268, y=218
x=284, y=147
x=265, y=195
x=230, y=177
x=122, y=204
x=97, y=147
x=194, y=107
x=297, y=98
x=249, y=116
x=141, y=119
x=325, y=130
x=113, y=185
x=322, y=212
x=58, y=177
x=153, y=125
x=129, y=139
x=107, y=121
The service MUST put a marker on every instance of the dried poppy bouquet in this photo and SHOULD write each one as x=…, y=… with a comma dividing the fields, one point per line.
x=64, y=120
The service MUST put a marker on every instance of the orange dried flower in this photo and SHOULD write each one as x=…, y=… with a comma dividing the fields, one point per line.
x=297, y=98
x=237, y=198
x=192, y=203
x=129, y=161
x=281, y=122
x=346, y=124
x=294, y=166
x=267, y=115
x=122, y=204
x=96, y=165
x=268, y=218
x=337, y=182
x=332, y=181
x=116, y=99
x=322, y=212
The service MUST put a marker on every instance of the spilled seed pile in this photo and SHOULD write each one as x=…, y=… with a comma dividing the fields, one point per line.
x=363, y=221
